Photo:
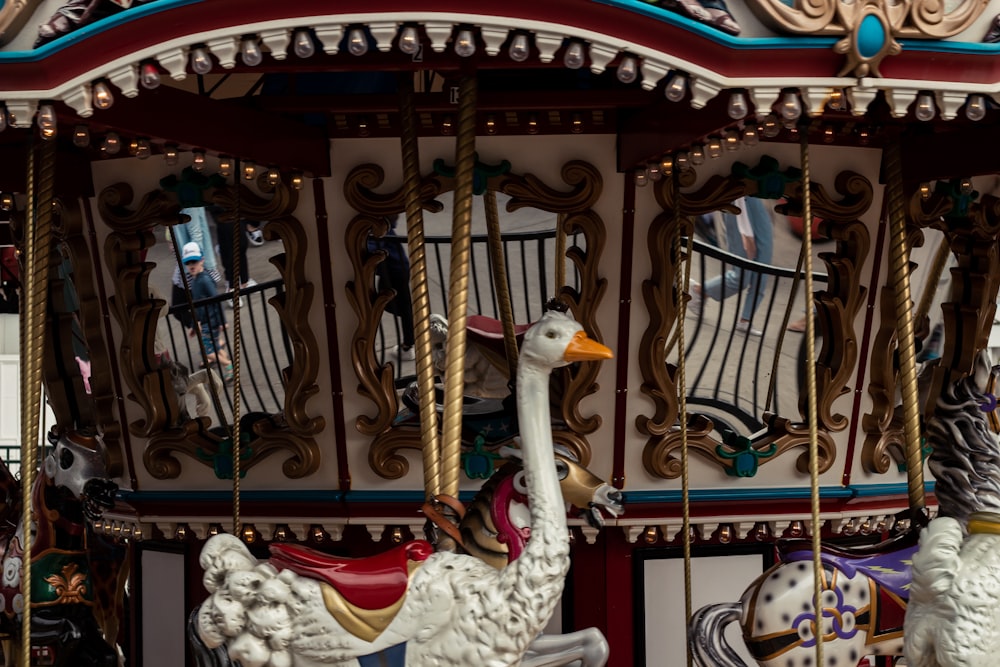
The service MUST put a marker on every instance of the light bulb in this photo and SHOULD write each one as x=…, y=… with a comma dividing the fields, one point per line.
x=532, y=124
x=149, y=76
x=714, y=148
x=628, y=69
x=829, y=134
x=676, y=87
x=357, y=42
x=103, y=99
x=863, y=135
x=47, y=132
x=653, y=171
x=112, y=143
x=201, y=62
x=667, y=165
x=837, y=101
x=170, y=155
x=697, y=154
x=446, y=125
x=273, y=176
x=250, y=52
x=198, y=160
x=731, y=140
x=574, y=56
x=81, y=136
x=726, y=534
x=975, y=107
x=576, y=124
x=925, y=191
x=640, y=178
x=925, y=109
x=6, y=201
x=225, y=166
x=249, y=170
x=142, y=149
x=771, y=126
x=520, y=48
x=249, y=534
x=409, y=40
x=737, y=105
x=965, y=186
x=296, y=181
x=491, y=124
x=791, y=107
x=46, y=117
x=302, y=44
x=181, y=532
x=750, y=135
x=465, y=43
x=681, y=160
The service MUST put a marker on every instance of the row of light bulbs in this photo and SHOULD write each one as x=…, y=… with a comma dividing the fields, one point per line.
x=282, y=533
x=120, y=529
x=761, y=532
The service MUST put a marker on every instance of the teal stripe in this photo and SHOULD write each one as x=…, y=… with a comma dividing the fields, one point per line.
x=774, y=493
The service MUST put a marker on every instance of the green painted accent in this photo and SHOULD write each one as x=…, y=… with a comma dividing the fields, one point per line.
x=51, y=565
x=191, y=186
x=961, y=201
x=480, y=462
x=767, y=174
x=746, y=459
x=481, y=173
x=222, y=460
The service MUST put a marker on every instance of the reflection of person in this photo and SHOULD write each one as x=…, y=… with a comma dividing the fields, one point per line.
x=394, y=273
x=211, y=321
x=749, y=234
x=224, y=233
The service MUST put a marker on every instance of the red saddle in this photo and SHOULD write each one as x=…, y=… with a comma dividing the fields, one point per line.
x=371, y=583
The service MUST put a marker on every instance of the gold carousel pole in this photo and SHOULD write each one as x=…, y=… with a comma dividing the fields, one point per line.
x=818, y=573
x=899, y=266
x=458, y=291
x=418, y=289
x=499, y=263
x=235, y=432
x=38, y=238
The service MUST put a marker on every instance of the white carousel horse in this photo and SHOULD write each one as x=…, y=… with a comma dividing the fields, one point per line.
x=865, y=591
x=439, y=608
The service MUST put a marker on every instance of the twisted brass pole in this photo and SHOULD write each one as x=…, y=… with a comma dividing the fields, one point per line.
x=458, y=292
x=38, y=240
x=499, y=264
x=429, y=438
x=899, y=265
x=234, y=431
x=818, y=573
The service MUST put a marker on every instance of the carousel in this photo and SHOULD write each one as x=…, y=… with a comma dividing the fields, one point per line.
x=590, y=332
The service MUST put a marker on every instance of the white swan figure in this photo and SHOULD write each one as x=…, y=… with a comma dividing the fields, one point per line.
x=457, y=610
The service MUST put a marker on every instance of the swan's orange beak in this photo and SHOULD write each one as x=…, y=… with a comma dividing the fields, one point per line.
x=584, y=348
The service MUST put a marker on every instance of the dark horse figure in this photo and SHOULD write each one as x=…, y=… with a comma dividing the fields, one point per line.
x=70, y=491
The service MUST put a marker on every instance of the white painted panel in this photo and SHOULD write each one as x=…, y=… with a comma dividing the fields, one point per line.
x=714, y=579
x=163, y=612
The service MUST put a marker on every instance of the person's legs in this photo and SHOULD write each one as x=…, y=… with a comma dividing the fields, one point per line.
x=763, y=231
x=727, y=284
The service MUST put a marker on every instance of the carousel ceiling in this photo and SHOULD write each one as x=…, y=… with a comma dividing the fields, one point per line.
x=270, y=84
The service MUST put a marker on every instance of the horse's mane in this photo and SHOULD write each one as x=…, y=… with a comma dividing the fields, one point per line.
x=965, y=454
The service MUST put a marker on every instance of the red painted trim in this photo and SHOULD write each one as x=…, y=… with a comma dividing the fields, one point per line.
x=332, y=338
x=624, y=311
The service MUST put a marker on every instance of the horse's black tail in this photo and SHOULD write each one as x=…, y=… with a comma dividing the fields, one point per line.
x=707, y=635
x=204, y=656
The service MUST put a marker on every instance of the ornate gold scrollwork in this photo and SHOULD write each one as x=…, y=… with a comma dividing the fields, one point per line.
x=376, y=381
x=137, y=313
x=836, y=307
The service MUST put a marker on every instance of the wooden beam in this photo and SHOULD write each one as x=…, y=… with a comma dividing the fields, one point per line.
x=940, y=152
x=667, y=126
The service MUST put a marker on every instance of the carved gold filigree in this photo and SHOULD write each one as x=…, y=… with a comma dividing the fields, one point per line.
x=836, y=307
x=870, y=27
x=376, y=381
x=292, y=432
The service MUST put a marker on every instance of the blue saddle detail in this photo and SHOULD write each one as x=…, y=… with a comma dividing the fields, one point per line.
x=394, y=656
x=891, y=569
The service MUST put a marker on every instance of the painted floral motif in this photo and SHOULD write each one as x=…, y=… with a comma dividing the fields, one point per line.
x=71, y=587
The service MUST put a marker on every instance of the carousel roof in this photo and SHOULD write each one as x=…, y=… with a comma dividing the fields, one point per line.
x=269, y=82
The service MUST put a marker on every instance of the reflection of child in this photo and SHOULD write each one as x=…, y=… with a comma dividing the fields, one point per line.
x=210, y=319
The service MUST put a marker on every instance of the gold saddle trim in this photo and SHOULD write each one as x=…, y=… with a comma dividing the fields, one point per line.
x=366, y=624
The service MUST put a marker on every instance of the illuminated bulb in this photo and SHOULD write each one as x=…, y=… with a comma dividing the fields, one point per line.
x=866, y=527
x=574, y=56
x=738, y=105
x=317, y=534
x=882, y=526
x=925, y=110
x=81, y=136
x=46, y=117
x=357, y=42
x=363, y=126
x=975, y=108
x=797, y=529
x=667, y=165
x=103, y=99
x=697, y=154
x=532, y=124
x=296, y=181
x=142, y=149
x=214, y=530
x=198, y=160
x=965, y=186
x=149, y=76
x=409, y=40
x=681, y=161
x=850, y=527
x=828, y=134
x=201, y=62
x=649, y=536
x=520, y=48
x=640, y=178
x=676, y=87
x=653, y=171
x=714, y=148
x=250, y=52
x=137, y=533
x=628, y=69
x=465, y=43
x=761, y=533
x=133, y=147
x=726, y=534
x=181, y=532
x=791, y=107
x=273, y=176
x=731, y=140
x=302, y=44
x=47, y=132
x=281, y=534
x=249, y=534
x=750, y=135
x=6, y=201
x=836, y=101
x=863, y=136
x=225, y=165
x=925, y=190
x=397, y=535
x=170, y=155
x=771, y=126
x=446, y=125
x=112, y=143
x=576, y=125
x=249, y=170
